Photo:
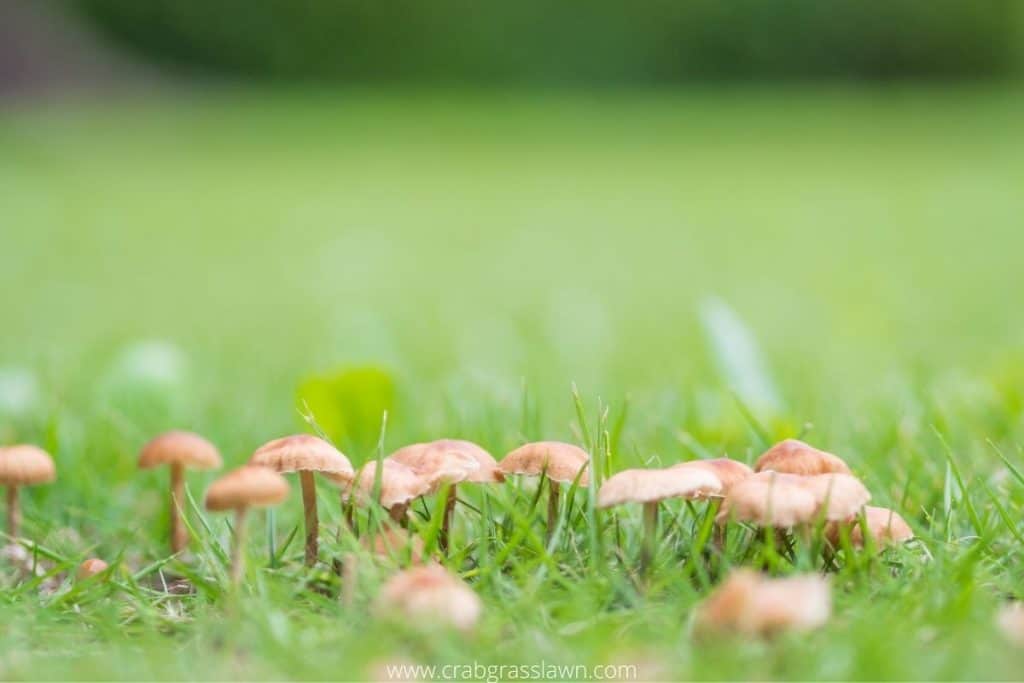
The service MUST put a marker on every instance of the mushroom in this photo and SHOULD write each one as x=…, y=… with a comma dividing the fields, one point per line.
x=399, y=486
x=885, y=527
x=396, y=543
x=464, y=458
x=774, y=500
x=796, y=457
x=650, y=487
x=752, y=605
x=838, y=496
x=430, y=595
x=179, y=450
x=305, y=454
x=561, y=463
x=728, y=471
x=1010, y=619
x=91, y=568
x=22, y=465
x=241, y=489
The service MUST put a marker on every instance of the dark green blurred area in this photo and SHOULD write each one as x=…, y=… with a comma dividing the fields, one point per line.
x=597, y=42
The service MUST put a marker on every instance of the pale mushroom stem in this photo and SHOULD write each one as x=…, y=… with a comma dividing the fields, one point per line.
x=446, y=523
x=179, y=534
x=13, y=512
x=237, y=558
x=650, y=534
x=309, y=508
x=553, y=495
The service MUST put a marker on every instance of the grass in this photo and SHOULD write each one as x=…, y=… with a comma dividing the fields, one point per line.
x=188, y=262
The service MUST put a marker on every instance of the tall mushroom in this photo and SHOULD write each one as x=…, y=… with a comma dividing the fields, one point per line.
x=728, y=471
x=796, y=457
x=650, y=487
x=247, y=487
x=561, y=463
x=885, y=527
x=778, y=501
x=179, y=450
x=22, y=465
x=305, y=454
x=464, y=460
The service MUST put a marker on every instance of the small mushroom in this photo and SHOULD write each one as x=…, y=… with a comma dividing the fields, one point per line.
x=750, y=604
x=246, y=487
x=305, y=454
x=1010, y=619
x=728, y=471
x=22, y=465
x=796, y=457
x=430, y=594
x=399, y=486
x=652, y=486
x=885, y=527
x=776, y=500
x=91, y=568
x=179, y=450
x=561, y=463
x=464, y=458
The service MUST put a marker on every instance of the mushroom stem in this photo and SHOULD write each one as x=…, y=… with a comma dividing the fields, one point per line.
x=13, y=512
x=553, y=495
x=650, y=534
x=237, y=558
x=179, y=534
x=349, y=576
x=446, y=523
x=309, y=508
x=398, y=513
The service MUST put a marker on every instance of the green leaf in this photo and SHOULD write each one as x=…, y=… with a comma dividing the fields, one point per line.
x=347, y=404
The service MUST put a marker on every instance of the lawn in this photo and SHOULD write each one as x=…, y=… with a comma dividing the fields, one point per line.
x=714, y=270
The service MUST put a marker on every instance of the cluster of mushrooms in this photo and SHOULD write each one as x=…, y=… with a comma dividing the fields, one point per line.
x=792, y=488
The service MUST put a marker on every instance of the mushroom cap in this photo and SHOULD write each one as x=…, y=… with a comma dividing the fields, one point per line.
x=651, y=486
x=457, y=453
x=393, y=542
x=777, y=500
x=25, y=465
x=91, y=568
x=398, y=483
x=753, y=605
x=247, y=486
x=562, y=461
x=429, y=594
x=729, y=471
x=838, y=496
x=1010, y=619
x=796, y=457
x=180, y=448
x=886, y=527
x=303, y=453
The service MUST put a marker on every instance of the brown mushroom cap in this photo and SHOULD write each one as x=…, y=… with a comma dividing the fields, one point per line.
x=729, y=471
x=751, y=604
x=180, y=448
x=651, y=486
x=839, y=496
x=303, y=453
x=91, y=568
x=563, y=461
x=796, y=457
x=248, y=486
x=430, y=594
x=391, y=542
x=774, y=500
x=885, y=527
x=398, y=484
x=429, y=456
x=25, y=465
